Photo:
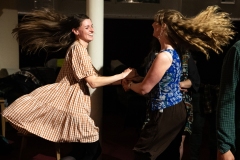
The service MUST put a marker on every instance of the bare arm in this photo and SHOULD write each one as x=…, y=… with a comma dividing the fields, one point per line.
x=184, y=85
x=136, y=79
x=134, y=76
x=160, y=65
x=225, y=156
x=98, y=81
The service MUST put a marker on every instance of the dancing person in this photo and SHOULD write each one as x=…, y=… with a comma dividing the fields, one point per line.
x=161, y=134
x=60, y=112
x=228, y=113
x=190, y=82
x=204, y=105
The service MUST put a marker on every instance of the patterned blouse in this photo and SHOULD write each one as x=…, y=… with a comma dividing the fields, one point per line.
x=167, y=92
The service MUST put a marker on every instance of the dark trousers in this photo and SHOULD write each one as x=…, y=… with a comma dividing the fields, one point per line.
x=161, y=137
x=86, y=151
x=199, y=121
x=171, y=152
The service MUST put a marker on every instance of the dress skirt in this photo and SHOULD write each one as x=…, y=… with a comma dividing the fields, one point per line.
x=41, y=114
x=161, y=129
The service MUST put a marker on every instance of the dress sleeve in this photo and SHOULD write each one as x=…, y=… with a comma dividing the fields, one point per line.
x=193, y=74
x=226, y=134
x=81, y=62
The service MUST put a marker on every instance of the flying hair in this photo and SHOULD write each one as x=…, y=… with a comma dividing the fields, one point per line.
x=46, y=30
x=211, y=29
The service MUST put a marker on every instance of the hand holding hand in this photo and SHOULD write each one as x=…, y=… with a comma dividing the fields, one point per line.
x=125, y=84
x=132, y=74
x=126, y=72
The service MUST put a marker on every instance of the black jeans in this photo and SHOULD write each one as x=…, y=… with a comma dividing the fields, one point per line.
x=199, y=121
x=86, y=151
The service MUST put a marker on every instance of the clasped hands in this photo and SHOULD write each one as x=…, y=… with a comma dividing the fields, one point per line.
x=131, y=77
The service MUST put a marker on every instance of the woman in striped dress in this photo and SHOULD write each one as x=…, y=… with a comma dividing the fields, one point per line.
x=60, y=112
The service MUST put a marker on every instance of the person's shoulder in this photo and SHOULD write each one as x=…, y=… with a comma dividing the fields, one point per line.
x=236, y=47
x=237, y=44
x=164, y=56
x=234, y=50
x=76, y=45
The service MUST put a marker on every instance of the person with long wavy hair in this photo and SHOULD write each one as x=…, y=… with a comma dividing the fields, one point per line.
x=161, y=134
x=60, y=112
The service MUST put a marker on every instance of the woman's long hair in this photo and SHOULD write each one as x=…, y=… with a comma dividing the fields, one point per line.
x=209, y=30
x=154, y=48
x=47, y=30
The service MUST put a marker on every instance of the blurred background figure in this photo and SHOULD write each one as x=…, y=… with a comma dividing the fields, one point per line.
x=228, y=111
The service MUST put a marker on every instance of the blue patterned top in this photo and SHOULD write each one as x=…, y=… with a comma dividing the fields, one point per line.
x=167, y=92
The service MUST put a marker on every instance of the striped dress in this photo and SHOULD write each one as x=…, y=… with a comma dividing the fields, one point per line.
x=59, y=112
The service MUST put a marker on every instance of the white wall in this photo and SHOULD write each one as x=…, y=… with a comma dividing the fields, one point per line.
x=9, y=49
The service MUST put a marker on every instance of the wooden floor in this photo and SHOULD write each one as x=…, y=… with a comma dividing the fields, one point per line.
x=117, y=142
